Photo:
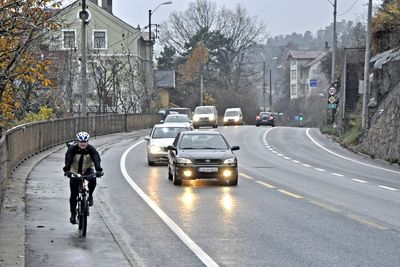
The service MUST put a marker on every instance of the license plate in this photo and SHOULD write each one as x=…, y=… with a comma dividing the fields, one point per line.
x=208, y=169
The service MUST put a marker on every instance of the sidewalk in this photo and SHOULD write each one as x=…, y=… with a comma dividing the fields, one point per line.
x=12, y=215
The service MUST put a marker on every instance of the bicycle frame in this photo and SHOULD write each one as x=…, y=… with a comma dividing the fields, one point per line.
x=83, y=206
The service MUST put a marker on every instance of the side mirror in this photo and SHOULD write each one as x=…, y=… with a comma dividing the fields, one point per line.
x=172, y=147
x=147, y=137
x=233, y=148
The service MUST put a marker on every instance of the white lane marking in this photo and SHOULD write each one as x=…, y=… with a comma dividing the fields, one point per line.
x=360, y=181
x=306, y=165
x=273, y=151
x=296, y=161
x=318, y=169
x=366, y=164
x=171, y=224
x=289, y=193
x=265, y=184
x=246, y=176
x=388, y=188
x=286, y=158
x=337, y=174
x=280, y=155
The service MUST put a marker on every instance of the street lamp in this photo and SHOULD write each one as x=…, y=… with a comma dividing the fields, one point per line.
x=151, y=13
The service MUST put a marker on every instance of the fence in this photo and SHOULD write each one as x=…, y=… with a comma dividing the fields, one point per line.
x=25, y=140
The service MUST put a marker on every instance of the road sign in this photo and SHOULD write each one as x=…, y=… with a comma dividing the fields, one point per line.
x=313, y=83
x=332, y=106
x=332, y=91
x=332, y=99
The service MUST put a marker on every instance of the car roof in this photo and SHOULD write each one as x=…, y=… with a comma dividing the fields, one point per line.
x=170, y=125
x=201, y=132
x=177, y=114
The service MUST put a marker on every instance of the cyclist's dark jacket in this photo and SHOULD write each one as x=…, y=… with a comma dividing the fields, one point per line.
x=91, y=158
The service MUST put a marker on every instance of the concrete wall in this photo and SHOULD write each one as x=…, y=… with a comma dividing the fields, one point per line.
x=19, y=143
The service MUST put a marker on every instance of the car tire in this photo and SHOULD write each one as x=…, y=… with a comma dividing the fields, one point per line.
x=151, y=163
x=175, y=179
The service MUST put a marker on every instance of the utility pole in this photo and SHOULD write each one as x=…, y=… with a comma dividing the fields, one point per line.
x=201, y=73
x=364, y=114
x=333, y=78
x=270, y=89
x=83, y=16
x=264, y=89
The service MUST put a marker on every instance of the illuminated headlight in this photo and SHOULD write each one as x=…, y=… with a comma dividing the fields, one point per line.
x=227, y=173
x=211, y=117
x=195, y=118
x=230, y=161
x=187, y=173
x=236, y=119
x=155, y=149
x=184, y=161
x=225, y=119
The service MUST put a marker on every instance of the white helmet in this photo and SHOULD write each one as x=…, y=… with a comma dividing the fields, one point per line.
x=82, y=136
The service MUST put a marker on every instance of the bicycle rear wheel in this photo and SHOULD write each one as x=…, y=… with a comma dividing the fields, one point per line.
x=82, y=216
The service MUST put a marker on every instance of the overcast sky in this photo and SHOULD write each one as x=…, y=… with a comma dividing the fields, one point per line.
x=280, y=16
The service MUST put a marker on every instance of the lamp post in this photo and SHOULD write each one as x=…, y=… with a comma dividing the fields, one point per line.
x=151, y=12
x=150, y=65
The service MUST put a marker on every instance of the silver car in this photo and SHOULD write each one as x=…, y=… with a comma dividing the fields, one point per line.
x=161, y=136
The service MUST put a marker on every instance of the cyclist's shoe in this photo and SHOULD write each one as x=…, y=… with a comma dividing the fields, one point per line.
x=72, y=219
x=90, y=201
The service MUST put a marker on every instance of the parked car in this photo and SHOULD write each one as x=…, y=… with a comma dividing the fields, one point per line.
x=265, y=118
x=233, y=116
x=186, y=111
x=202, y=155
x=178, y=118
x=205, y=116
x=161, y=136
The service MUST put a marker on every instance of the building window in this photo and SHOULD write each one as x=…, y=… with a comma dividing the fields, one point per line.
x=99, y=39
x=68, y=40
x=294, y=90
x=293, y=74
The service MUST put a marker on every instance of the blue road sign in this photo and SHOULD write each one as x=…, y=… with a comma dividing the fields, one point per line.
x=313, y=83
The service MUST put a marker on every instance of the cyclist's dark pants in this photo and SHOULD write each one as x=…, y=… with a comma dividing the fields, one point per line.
x=74, y=187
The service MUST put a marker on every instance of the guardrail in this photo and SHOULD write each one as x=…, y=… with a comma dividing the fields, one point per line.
x=22, y=141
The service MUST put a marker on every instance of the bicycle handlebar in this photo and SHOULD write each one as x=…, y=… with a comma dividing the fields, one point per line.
x=87, y=177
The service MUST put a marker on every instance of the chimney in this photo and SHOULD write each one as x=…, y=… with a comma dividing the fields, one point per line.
x=94, y=2
x=107, y=5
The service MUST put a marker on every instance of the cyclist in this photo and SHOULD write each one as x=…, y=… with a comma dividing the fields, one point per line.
x=80, y=159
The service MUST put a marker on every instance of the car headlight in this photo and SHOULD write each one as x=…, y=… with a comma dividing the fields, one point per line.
x=211, y=117
x=195, y=118
x=184, y=161
x=236, y=119
x=155, y=149
x=230, y=161
x=225, y=119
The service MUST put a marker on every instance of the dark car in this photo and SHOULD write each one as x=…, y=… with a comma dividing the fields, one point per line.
x=202, y=155
x=265, y=118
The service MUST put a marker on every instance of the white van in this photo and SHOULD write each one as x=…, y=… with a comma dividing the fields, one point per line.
x=233, y=116
x=205, y=116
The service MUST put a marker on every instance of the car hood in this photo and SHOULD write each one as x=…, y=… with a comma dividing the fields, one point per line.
x=205, y=153
x=163, y=142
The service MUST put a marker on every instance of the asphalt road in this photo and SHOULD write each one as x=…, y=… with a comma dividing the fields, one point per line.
x=301, y=200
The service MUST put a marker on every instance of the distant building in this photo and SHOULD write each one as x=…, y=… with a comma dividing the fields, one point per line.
x=111, y=43
x=306, y=77
x=164, y=82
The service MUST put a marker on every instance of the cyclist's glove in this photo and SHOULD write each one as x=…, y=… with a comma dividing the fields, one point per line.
x=67, y=174
x=99, y=173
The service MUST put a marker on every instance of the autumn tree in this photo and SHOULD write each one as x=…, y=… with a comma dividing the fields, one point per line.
x=386, y=26
x=23, y=25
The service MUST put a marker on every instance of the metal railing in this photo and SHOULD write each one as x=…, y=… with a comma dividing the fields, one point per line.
x=20, y=142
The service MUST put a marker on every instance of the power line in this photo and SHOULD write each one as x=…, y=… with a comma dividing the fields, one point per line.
x=342, y=14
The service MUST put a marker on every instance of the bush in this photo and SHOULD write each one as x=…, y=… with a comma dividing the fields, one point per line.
x=45, y=113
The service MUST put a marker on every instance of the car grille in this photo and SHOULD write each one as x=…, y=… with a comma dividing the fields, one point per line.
x=208, y=161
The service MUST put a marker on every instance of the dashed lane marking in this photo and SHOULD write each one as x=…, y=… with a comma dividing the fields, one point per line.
x=360, y=181
x=290, y=194
x=265, y=184
x=246, y=176
x=337, y=174
x=388, y=188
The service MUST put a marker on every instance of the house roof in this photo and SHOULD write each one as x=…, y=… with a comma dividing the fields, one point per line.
x=305, y=54
x=315, y=60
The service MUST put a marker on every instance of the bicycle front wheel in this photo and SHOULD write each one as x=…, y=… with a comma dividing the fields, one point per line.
x=83, y=213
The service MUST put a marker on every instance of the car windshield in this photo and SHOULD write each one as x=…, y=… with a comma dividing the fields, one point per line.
x=204, y=110
x=264, y=115
x=231, y=113
x=203, y=141
x=167, y=132
x=173, y=118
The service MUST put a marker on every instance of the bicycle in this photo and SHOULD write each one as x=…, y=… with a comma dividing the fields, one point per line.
x=83, y=207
